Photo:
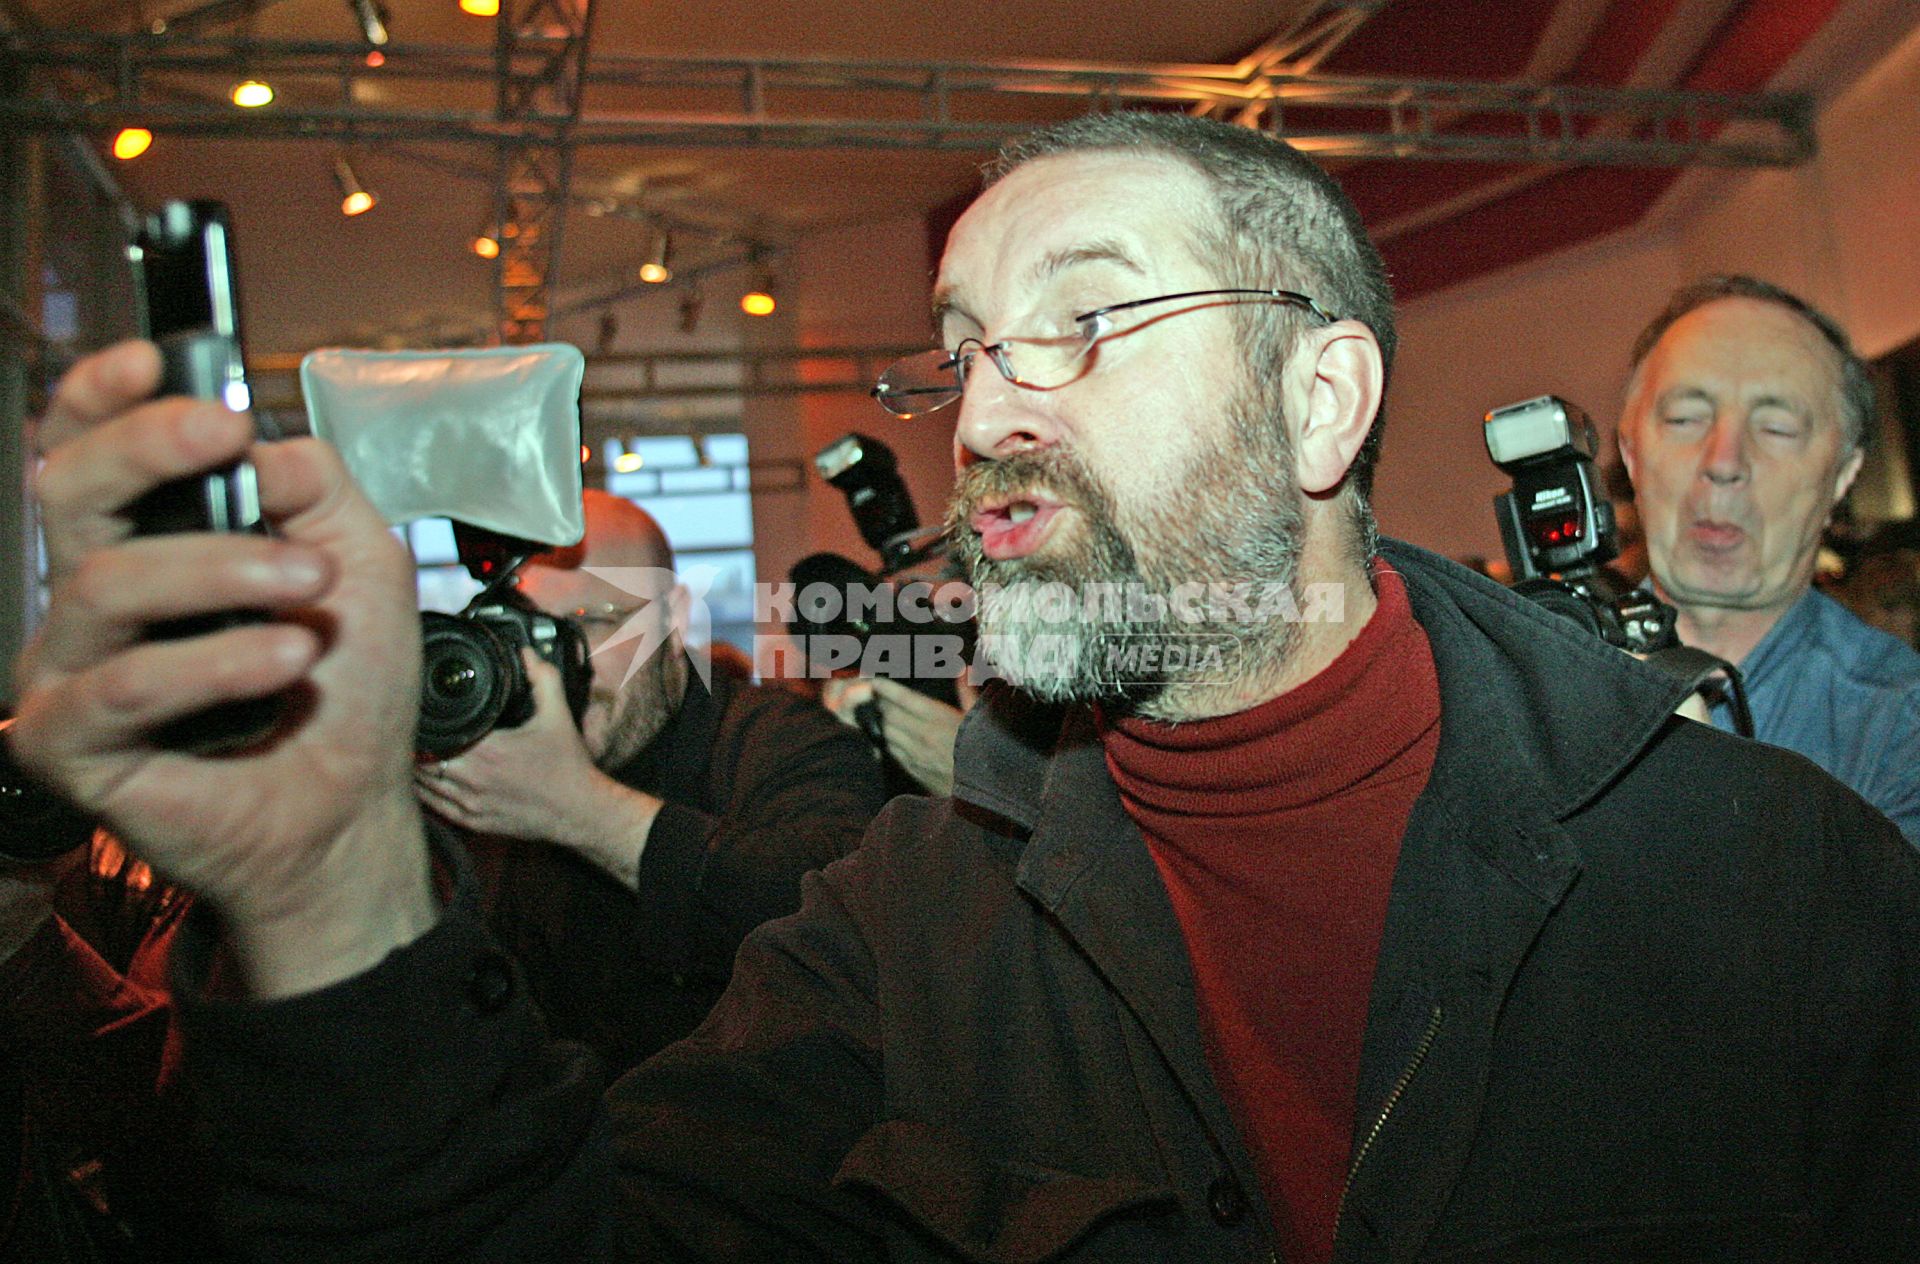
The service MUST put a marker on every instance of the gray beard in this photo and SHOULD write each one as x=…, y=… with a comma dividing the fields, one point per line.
x=637, y=712
x=1236, y=518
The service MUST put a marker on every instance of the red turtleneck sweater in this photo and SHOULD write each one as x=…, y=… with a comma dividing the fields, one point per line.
x=1276, y=831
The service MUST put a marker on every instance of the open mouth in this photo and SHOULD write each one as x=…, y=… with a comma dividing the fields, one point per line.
x=1013, y=526
x=1716, y=536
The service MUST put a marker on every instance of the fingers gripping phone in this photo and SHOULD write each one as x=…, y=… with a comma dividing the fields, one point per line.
x=189, y=298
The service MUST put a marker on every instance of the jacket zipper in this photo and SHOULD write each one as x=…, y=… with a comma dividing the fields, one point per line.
x=1386, y=1109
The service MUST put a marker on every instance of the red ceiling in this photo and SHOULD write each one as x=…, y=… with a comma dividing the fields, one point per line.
x=1488, y=40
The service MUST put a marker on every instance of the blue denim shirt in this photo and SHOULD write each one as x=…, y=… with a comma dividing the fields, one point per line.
x=1847, y=696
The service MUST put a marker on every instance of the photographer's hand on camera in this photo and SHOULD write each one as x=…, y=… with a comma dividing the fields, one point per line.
x=309, y=844
x=538, y=782
x=919, y=730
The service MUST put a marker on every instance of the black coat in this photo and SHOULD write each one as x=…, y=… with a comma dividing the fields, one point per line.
x=759, y=786
x=1645, y=992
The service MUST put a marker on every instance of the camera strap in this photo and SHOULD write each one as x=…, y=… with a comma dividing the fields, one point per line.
x=1704, y=673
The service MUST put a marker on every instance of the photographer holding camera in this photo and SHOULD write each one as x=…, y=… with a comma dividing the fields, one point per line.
x=1747, y=418
x=632, y=853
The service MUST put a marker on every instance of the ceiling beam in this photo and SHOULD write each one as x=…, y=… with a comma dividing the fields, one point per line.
x=739, y=102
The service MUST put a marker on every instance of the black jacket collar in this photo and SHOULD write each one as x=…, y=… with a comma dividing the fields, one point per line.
x=1539, y=707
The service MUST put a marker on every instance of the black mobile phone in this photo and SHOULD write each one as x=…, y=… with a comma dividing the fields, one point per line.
x=189, y=297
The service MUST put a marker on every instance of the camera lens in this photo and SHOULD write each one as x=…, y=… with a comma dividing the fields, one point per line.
x=467, y=676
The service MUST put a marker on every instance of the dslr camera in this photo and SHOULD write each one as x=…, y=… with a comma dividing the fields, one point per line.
x=1558, y=528
x=472, y=679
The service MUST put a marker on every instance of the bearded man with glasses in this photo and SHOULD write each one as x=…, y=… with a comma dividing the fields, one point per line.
x=1341, y=906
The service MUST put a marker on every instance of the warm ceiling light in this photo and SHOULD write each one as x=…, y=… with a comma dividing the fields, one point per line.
x=586, y=454
x=131, y=142
x=354, y=198
x=486, y=247
x=375, y=59
x=252, y=93
x=757, y=302
x=372, y=17
x=628, y=463
x=654, y=271
x=481, y=8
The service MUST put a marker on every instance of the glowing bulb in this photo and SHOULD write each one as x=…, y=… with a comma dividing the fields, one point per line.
x=655, y=273
x=251, y=93
x=757, y=303
x=586, y=454
x=628, y=462
x=375, y=59
x=131, y=142
x=486, y=247
x=480, y=8
x=358, y=202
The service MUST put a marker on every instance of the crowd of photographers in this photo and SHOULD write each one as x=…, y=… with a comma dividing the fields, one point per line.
x=631, y=828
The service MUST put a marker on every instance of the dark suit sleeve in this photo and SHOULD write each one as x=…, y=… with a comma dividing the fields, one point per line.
x=417, y=1112
x=414, y=1112
x=795, y=790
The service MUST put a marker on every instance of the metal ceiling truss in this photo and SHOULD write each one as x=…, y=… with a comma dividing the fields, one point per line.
x=633, y=378
x=540, y=60
x=630, y=377
x=717, y=102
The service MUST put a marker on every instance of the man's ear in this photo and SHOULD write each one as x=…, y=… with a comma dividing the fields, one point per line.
x=1849, y=470
x=1623, y=439
x=679, y=612
x=1341, y=378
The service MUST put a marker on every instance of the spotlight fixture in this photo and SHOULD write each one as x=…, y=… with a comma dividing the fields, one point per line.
x=372, y=17
x=251, y=94
x=486, y=246
x=481, y=8
x=655, y=271
x=354, y=198
x=759, y=301
x=375, y=59
x=131, y=143
x=628, y=463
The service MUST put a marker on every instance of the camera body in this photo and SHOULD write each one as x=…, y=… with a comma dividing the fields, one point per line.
x=472, y=678
x=1557, y=525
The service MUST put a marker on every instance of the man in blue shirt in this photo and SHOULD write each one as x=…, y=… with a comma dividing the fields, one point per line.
x=1746, y=421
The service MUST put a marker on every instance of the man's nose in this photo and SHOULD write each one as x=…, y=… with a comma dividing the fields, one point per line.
x=1725, y=458
x=997, y=419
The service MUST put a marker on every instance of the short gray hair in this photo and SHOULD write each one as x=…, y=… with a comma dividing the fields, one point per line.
x=1283, y=222
x=1857, y=404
